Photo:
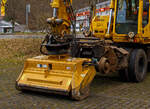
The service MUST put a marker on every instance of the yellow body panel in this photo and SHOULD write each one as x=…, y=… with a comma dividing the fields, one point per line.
x=56, y=74
x=99, y=26
x=142, y=36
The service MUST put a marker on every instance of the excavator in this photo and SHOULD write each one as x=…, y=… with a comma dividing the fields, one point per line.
x=119, y=43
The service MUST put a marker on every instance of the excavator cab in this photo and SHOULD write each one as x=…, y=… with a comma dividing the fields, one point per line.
x=128, y=19
x=131, y=21
x=127, y=16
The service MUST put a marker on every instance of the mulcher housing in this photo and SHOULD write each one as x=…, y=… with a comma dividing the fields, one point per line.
x=57, y=74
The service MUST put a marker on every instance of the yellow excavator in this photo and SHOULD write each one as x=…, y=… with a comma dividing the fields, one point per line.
x=69, y=63
x=3, y=7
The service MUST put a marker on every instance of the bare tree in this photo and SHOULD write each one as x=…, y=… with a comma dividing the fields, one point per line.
x=40, y=11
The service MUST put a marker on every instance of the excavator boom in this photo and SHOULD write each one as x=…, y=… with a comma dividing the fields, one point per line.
x=3, y=7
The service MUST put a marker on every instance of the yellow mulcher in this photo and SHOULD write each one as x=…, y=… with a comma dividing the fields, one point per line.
x=56, y=71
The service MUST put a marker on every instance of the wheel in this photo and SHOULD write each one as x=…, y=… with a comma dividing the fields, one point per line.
x=104, y=66
x=137, y=65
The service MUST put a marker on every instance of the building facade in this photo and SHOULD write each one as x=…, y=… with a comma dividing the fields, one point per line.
x=5, y=27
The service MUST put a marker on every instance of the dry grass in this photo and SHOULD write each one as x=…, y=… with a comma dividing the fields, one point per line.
x=24, y=33
x=19, y=49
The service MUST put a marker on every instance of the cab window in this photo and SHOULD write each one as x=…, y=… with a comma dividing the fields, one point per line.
x=127, y=16
x=145, y=13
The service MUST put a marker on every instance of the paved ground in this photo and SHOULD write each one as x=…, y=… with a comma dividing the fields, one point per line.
x=106, y=93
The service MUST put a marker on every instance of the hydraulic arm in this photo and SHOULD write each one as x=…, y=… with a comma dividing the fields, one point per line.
x=60, y=36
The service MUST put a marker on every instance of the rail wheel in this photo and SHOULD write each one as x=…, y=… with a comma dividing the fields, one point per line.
x=137, y=65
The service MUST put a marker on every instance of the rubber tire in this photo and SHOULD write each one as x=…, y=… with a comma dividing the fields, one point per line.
x=137, y=65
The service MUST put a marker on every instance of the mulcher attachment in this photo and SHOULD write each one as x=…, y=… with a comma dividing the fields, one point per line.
x=57, y=74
